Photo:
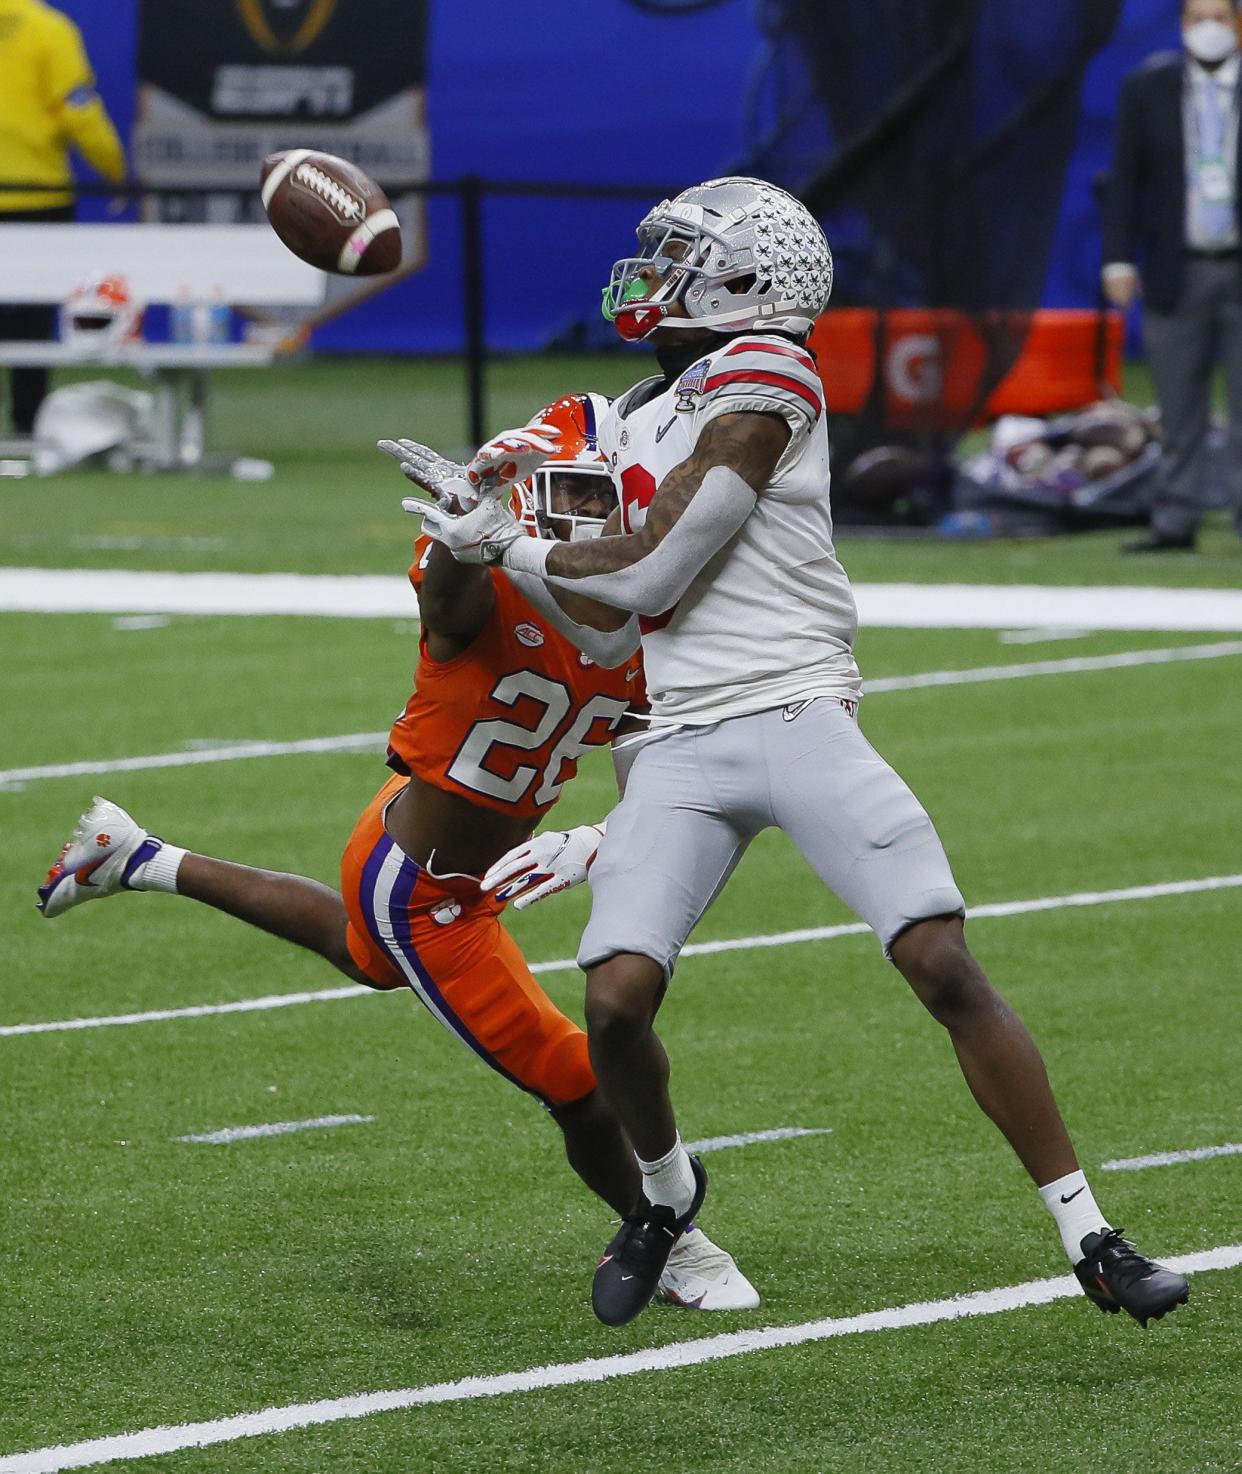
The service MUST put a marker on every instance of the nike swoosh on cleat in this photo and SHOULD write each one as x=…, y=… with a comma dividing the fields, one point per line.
x=1074, y=1194
x=625, y=1277
x=83, y=875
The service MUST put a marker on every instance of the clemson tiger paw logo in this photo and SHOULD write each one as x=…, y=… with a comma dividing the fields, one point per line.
x=103, y=840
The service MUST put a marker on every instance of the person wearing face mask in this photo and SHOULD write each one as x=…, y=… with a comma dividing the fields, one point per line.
x=1172, y=207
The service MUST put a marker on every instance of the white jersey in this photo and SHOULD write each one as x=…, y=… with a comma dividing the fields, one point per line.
x=770, y=620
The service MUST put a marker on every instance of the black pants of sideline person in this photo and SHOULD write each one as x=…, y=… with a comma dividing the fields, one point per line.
x=1183, y=348
x=29, y=323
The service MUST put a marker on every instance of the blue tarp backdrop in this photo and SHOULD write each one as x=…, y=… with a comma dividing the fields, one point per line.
x=613, y=93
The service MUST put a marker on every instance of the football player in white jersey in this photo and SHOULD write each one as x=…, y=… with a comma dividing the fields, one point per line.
x=725, y=552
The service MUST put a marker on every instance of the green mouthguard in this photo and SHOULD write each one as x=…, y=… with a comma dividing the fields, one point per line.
x=635, y=292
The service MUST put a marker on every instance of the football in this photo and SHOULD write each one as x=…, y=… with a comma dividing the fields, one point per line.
x=328, y=212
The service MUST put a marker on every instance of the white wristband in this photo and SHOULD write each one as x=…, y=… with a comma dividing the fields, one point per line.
x=528, y=555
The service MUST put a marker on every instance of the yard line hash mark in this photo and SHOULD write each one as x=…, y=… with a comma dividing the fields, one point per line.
x=149, y=1442
x=273, y=1128
x=694, y=949
x=1169, y=1159
x=376, y=741
x=751, y=1138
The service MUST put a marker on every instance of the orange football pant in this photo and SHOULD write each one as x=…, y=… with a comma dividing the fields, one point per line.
x=442, y=939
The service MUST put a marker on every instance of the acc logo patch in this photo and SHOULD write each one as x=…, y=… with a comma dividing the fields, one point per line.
x=691, y=384
x=529, y=635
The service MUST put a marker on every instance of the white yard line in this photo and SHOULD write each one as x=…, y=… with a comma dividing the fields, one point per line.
x=194, y=1010
x=220, y=753
x=694, y=949
x=165, y=1440
x=1073, y=665
x=1041, y=636
x=1169, y=1159
x=750, y=1138
x=376, y=741
x=273, y=1128
x=881, y=606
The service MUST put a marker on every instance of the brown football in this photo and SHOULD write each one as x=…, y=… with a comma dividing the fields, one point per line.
x=328, y=212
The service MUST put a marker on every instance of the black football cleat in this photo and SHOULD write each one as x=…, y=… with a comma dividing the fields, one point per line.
x=629, y=1273
x=1115, y=1276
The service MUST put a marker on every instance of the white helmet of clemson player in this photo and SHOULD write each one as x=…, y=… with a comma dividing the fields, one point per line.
x=739, y=254
x=100, y=312
x=570, y=496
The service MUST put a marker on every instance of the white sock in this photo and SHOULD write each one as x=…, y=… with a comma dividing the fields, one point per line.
x=1073, y=1205
x=159, y=873
x=670, y=1180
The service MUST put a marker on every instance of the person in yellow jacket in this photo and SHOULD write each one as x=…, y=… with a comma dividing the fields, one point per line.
x=48, y=106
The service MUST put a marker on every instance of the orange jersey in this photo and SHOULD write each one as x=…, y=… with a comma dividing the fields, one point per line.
x=505, y=723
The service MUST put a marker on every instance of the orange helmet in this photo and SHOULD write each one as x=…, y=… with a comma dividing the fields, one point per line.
x=577, y=417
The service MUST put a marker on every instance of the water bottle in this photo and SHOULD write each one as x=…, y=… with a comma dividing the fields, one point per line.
x=221, y=319
x=180, y=324
x=200, y=322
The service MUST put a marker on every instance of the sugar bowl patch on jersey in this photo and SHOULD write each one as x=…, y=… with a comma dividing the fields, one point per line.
x=690, y=385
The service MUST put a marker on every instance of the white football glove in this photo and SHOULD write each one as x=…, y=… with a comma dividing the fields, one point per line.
x=478, y=536
x=550, y=862
x=431, y=472
x=511, y=458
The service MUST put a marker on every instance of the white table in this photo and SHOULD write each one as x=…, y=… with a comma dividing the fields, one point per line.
x=179, y=374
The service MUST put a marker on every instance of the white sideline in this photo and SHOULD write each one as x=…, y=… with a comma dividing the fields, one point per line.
x=169, y=1439
x=749, y=1138
x=694, y=949
x=384, y=596
x=376, y=741
x=1169, y=1159
x=273, y=1128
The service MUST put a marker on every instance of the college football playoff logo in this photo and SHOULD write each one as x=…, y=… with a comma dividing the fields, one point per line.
x=285, y=27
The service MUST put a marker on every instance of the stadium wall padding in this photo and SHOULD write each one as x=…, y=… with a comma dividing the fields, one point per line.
x=611, y=93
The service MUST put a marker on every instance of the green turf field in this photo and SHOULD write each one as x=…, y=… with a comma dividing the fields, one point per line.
x=146, y=1281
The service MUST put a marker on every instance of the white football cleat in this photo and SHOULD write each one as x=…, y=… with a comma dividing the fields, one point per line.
x=701, y=1275
x=95, y=860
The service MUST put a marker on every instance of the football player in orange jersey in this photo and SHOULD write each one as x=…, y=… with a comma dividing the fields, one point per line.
x=504, y=706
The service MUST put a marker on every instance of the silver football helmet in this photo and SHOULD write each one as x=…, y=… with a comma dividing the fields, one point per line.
x=738, y=253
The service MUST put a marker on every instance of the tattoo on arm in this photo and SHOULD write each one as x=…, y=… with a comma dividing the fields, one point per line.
x=748, y=443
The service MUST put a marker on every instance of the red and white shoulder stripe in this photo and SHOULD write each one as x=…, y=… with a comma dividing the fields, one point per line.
x=766, y=368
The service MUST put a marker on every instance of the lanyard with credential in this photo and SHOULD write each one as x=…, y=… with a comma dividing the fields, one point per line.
x=1211, y=155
